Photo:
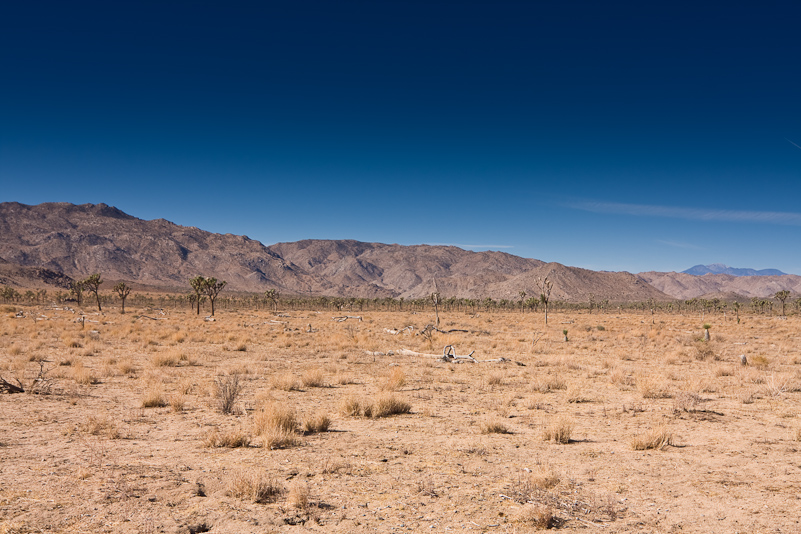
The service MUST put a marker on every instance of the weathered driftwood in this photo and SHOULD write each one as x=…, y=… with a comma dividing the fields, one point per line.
x=431, y=328
x=343, y=318
x=448, y=355
x=8, y=387
x=395, y=332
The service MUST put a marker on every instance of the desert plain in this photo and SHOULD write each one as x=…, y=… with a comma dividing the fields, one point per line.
x=291, y=421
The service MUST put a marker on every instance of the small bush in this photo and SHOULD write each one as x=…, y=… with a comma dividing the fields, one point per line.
x=313, y=378
x=298, y=496
x=230, y=440
x=319, y=422
x=101, y=426
x=559, y=431
x=227, y=389
x=494, y=427
x=351, y=406
x=395, y=381
x=276, y=425
x=153, y=398
x=388, y=404
x=165, y=359
x=254, y=487
x=285, y=382
x=536, y=515
x=656, y=438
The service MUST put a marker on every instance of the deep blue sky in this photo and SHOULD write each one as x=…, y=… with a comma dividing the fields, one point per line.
x=609, y=135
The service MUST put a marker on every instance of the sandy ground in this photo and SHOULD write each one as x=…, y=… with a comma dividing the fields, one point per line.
x=471, y=454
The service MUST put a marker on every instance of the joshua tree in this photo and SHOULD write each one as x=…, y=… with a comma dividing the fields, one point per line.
x=197, y=284
x=435, y=298
x=92, y=285
x=545, y=287
x=736, y=306
x=522, y=301
x=564, y=332
x=212, y=288
x=272, y=296
x=123, y=291
x=706, y=331
x=782, y=296
x=76, y=290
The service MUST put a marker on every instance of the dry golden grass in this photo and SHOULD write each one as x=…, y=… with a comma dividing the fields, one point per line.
x=655, y=438
x=299, y=495
x=612, y=384
x=231, y=439
x=559, y=430
x=154, y=397
x=253, y=486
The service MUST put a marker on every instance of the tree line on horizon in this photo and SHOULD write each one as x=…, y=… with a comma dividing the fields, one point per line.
x=209, y=289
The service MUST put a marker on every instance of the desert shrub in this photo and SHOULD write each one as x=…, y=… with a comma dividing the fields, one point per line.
x=536, y=515
x=153, y=398
x=285, y=382
x=387, y=405
x=494, y=427
x=231, y=439
x=351, y=406
x=319, y=422
x=298, y=496
x=656, y=438
x=277, y=426
x=165, y=359
x=394, y=381
x=101, y=426
x=313, y=378
x=227, y=389
x=254, y=487
x=558, y=431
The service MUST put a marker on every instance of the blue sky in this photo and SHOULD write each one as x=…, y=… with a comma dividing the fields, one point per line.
x=609, y=135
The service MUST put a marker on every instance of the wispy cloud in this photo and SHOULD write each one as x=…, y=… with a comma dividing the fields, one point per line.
x=679, y=244
x=795, y=145
x=696, y=214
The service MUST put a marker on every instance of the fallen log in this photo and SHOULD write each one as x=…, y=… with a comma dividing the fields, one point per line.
x=8, y=387
x=343, y=318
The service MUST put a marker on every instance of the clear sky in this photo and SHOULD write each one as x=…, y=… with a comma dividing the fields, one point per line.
x=609, y=135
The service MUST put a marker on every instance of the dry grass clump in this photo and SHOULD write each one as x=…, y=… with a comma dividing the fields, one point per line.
x=494, y=427
x=686, y=401
x=231, y=439
x=299, y=495
x=98, y=425
x=576, y=394
x=758, y=361
x=319, y=422
x=169, y=358
x=285, y=382
x=536, y=515
x=394, y=381
x=651, y=387
x=153, y=398
x=313, y=378
x=177, y=402
x=351, y=406
x=495, y=379
x=227, y=389
x=384, y=405
x=549, y=383
x=277, y=426
x=656, y=438
x=83, y=376
x=704, y=351
x=387, y=404
x=558, y=431
x=255, y=487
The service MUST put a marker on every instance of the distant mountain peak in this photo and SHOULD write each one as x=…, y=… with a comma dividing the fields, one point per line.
x=719, y=268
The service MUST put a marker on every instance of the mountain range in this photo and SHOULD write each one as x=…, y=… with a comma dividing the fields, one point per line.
x=719, y=268
x=46, y=244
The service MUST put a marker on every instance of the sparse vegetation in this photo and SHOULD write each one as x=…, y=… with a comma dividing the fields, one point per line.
x=316, y=411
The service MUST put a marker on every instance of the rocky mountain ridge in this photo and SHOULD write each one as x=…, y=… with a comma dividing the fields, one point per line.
x=78, y=240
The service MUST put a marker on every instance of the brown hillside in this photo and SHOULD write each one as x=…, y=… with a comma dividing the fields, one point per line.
x=81, y=240
x=687, y=286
